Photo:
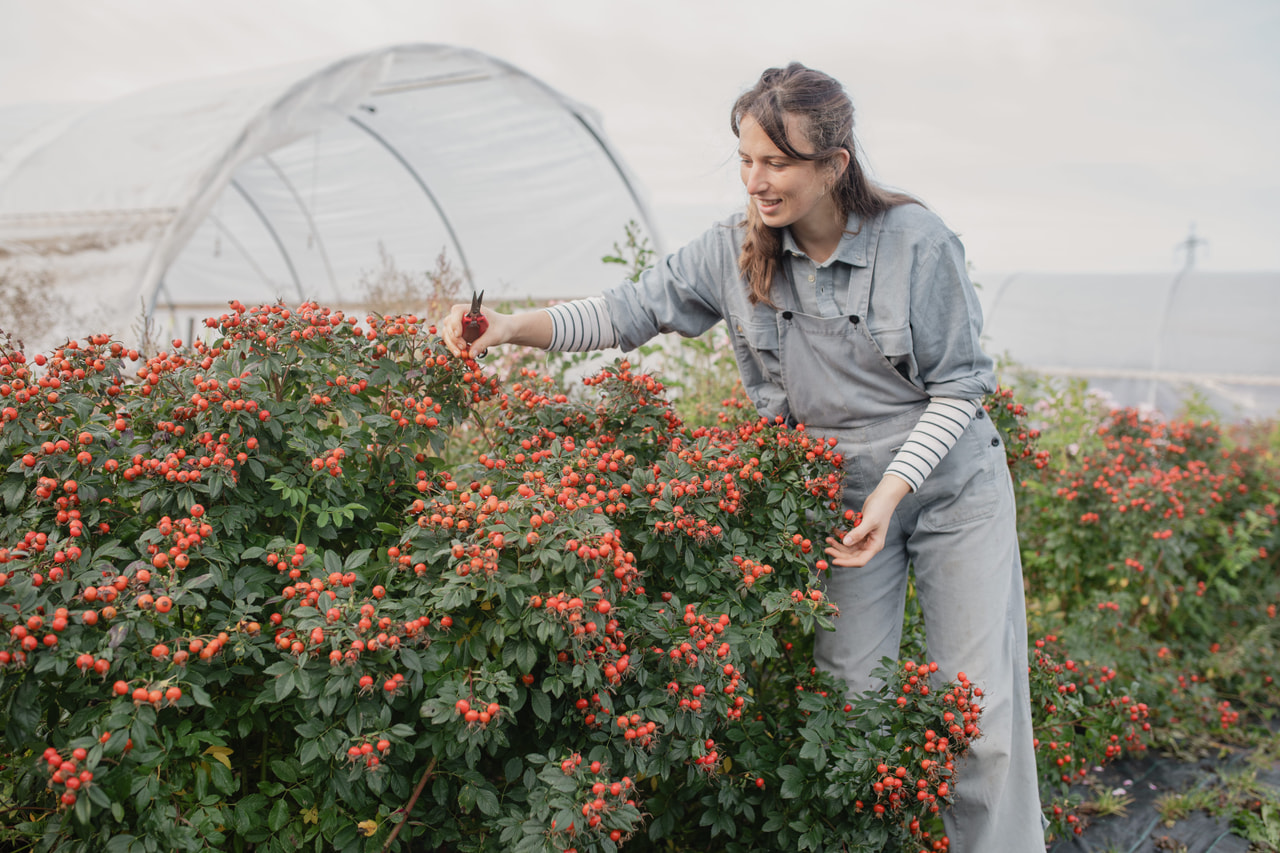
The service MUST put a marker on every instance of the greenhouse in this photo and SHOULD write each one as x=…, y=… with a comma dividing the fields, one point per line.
x=336, y=179
x=302, y=182
x=1149, y=340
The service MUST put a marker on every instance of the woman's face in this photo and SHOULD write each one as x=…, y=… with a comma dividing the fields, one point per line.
x=785, y=191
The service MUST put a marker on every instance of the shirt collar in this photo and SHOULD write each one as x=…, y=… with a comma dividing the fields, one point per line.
x=852, y=248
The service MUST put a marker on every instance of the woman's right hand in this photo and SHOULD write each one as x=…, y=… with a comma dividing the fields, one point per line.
x=495, y=335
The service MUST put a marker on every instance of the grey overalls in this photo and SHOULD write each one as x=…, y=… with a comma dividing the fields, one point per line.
x=959, y=529
x=958, y=532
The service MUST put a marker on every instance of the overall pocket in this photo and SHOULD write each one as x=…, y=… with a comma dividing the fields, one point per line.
x=964, y=488
x=759, y=342
x=895, y=346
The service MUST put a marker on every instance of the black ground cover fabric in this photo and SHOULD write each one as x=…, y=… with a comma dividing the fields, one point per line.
x=1142, y=830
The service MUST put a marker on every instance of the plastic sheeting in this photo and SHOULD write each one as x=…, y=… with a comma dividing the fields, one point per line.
x=296, y=182
x=1146, y=340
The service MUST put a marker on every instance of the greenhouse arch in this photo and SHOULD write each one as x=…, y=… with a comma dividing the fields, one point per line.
x=297, y=182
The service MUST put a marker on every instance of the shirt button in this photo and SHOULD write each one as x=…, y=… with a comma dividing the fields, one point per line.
x=995, y=442
x=810, y=278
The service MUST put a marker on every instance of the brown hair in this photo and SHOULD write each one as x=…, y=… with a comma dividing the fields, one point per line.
x=827, y=114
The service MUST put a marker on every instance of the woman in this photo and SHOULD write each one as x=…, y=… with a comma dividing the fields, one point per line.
x=851, y=312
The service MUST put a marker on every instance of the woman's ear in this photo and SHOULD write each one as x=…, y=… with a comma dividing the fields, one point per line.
x=840, y=162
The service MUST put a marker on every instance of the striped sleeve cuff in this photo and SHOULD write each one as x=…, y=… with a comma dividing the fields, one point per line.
x=581, y=326
x=937, y=432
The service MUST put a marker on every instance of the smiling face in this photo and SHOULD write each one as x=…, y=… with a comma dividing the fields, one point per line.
x=787, y=191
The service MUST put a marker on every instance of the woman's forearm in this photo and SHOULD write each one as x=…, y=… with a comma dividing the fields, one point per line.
x=529, y=329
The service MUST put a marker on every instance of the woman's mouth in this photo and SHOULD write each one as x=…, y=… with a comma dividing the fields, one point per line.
x=768, y=206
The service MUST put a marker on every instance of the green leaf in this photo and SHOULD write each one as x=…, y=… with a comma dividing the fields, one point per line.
x=199, y=695
x=222, y=778
x=83, y=807
x=14, y=489
x=119, y=844
x=24, y=712
x=246, y=811
x=279, y=815
x=792, y=781
x=526, y=656
x=285, y=685
x=284, y=770
x=541, y=703
x=487, y=801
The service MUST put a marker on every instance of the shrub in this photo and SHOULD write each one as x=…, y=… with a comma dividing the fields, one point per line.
x=1149, y=549
x=256, y=596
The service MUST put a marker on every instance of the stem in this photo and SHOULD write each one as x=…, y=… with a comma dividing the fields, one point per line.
x=422, y=783
x=302, y=513
x=297, y=534
x=483, y=428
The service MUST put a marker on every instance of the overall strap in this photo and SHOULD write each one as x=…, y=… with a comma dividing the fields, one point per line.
x=859, y=295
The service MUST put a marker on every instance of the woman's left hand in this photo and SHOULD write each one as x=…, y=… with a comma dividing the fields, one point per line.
x=867, y=539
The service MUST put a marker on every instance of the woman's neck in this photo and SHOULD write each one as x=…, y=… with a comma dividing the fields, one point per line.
x=819, y=234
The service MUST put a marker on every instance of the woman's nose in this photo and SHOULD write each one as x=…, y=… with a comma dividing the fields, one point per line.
x=753, y=178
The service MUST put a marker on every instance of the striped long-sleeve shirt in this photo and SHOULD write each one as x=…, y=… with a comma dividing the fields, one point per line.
x=584, y=325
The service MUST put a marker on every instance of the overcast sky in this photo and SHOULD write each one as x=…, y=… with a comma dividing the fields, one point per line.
x=1084, y=136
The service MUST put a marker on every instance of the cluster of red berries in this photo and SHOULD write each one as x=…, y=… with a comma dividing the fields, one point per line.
x=186, y=534
x=602, y=640
x=367, y=753
x=330, y=461
x=710, y=760
x=65, y=773
x=150, y=694
x=1010, y=417
x=604, y=795
x=69, y=362
x=751, y=570
x=480, y=715
x=635, y=729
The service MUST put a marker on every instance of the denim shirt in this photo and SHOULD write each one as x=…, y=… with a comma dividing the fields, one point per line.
x=923, y=313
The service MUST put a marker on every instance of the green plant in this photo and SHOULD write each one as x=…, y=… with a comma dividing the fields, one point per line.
x=1260, y=826
x=1106, y=802
x=635, y=253
x=1173, y=807
x=260, y=593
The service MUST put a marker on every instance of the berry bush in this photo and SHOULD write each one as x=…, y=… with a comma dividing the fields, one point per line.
x=316, y=584
x=1149, y=550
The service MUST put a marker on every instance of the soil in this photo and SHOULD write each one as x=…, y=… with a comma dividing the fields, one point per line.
x=1141, y=829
